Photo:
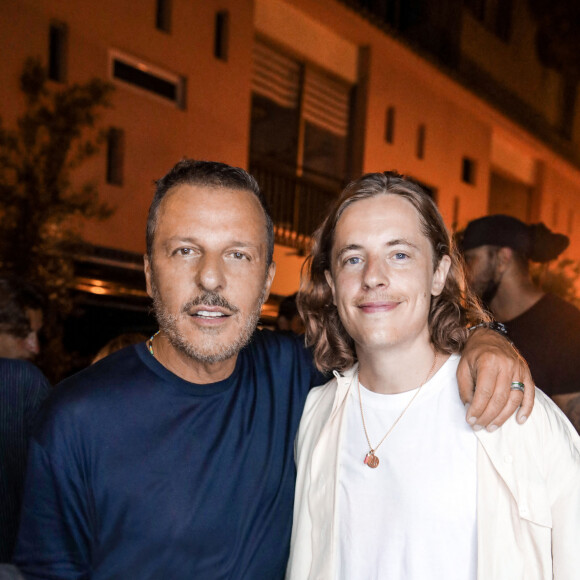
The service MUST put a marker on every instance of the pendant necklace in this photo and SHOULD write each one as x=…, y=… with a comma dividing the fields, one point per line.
x=370, y=458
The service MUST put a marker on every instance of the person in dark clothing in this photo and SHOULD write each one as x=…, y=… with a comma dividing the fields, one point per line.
x=289, y=319
x=498, y=250
x=21, y=317
x=22, y=389
x=117, y=343
x=174, y=458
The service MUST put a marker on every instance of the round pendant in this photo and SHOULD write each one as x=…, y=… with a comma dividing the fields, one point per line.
x=371, y=460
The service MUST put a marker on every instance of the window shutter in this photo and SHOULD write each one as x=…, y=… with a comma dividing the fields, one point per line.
x=326, y=102
x=275, y=76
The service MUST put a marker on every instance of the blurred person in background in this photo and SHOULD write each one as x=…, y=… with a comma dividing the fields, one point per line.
x=545, y=329
x=21, y=318
x=289, y=319
x=117, y=343
x=22, y=390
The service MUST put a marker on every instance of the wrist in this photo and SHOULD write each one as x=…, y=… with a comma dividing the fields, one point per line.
x=492, y=325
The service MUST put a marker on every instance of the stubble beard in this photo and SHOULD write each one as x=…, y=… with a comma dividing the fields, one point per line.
x=488, y=286
x=489, y=293
x=169, y=325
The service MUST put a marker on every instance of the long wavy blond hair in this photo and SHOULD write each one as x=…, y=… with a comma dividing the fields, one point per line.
x=450, y=312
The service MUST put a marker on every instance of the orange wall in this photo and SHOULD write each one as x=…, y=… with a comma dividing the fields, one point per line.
x=214, y=124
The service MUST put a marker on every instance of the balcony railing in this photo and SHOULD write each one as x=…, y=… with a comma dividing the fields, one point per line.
x=297, y=204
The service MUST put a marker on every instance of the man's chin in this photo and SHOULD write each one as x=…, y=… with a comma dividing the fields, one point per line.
x=213, y=355
x=209, y=345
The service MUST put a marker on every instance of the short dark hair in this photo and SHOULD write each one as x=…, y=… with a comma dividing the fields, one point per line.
x=16, y=297
x=209, y=174
x=450, y=311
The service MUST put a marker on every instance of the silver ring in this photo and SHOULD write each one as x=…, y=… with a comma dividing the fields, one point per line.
x=517, y=386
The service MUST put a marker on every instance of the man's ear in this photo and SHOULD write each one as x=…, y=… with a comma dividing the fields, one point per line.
x=269, y=279
x=328, y=276
x=148, y=274
x=504, y=259
x=440, y=276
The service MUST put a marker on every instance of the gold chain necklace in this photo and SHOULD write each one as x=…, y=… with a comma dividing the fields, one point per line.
x=370, y=458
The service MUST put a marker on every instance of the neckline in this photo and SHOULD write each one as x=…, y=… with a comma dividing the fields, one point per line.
x=197, y=389
x=388, y=399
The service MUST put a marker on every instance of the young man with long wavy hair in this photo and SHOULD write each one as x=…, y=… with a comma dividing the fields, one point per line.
x=392, y=483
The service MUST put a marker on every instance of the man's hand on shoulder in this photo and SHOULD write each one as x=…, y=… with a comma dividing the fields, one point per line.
x=488, y=367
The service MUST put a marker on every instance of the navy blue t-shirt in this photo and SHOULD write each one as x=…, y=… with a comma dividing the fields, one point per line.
x=136, y=473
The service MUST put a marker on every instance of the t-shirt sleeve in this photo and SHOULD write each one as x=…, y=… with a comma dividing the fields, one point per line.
x=53, y=540
x=37, y=391
x=316, y=377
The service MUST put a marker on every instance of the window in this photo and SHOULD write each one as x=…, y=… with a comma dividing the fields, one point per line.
x=455, y=214
x=57, y=49
x=148, y=78
x=163, y=15
x=421, y=142
x=222, y=34
x=390, y=125
x=300, y=117
x=115, y=156
x=468, y=171
x=299, y=140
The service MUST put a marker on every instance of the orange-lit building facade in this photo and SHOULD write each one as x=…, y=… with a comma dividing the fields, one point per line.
x=308, y=94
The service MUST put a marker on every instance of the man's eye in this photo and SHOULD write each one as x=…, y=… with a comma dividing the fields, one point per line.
x=184, y=251
x=352, y=260
x=239, y=255
x=401, y=256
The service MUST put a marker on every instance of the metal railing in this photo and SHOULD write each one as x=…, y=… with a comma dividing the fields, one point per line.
x=297, y=204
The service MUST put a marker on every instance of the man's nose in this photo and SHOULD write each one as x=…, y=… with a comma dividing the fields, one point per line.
x=210, y=274
x=375, y=273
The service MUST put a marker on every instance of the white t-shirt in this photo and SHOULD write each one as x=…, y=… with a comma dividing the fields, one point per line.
x=414, y=516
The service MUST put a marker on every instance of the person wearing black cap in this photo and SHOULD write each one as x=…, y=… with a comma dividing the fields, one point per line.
x=546, y=329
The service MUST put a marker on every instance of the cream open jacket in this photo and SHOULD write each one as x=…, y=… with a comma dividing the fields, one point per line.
x=528, y=492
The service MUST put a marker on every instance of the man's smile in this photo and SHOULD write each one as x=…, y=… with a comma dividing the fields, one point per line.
x=371, y=307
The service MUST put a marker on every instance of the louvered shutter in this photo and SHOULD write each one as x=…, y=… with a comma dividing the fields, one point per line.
x=326, y=102
x=275, y=76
